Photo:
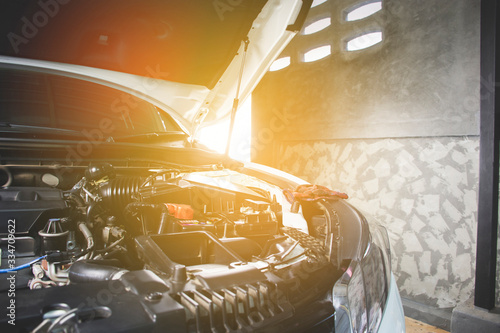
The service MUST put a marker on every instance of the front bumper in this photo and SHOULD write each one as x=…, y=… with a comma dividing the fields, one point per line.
x=393, y=320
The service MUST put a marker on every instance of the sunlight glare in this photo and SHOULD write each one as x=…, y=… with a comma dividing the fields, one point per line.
x=215, y=136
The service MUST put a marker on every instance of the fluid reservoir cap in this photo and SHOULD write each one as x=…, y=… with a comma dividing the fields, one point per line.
x=50, y=179
x=181, y=211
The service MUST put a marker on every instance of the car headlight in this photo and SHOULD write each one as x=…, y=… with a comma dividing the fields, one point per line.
x=361, y=294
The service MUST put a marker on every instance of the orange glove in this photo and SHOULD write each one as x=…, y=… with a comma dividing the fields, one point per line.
x=313, y=193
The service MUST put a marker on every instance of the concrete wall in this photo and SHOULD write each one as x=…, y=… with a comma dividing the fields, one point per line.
x=422, y=189
x=395, y=126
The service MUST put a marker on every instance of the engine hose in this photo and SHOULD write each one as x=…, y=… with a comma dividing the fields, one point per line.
x=78, y=200
x=84, y=271
x=118, y=192
x=89, y=238
x=133, y=208
x=87, y=234
x=91, y=211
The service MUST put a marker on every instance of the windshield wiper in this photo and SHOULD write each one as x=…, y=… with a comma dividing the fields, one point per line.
x=10, y=127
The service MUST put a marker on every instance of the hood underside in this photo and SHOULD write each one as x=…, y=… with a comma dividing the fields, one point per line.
x=193, y=43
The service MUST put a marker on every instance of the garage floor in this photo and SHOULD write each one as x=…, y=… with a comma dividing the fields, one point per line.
x=415, y=326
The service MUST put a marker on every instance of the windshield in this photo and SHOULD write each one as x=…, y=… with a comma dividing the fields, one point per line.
x=51, y=101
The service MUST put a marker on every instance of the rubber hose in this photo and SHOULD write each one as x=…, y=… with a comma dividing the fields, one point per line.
x=85, y=271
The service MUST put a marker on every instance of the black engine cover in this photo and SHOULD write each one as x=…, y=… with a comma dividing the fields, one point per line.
x=24, y=211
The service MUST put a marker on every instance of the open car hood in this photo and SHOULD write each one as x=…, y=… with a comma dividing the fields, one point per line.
x=195, y=46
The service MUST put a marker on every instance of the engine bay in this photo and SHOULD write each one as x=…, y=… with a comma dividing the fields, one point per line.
x=199, y=235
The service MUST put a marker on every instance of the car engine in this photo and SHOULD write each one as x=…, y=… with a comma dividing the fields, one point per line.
x=189, y=248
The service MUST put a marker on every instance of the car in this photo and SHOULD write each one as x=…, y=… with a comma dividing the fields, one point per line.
x=115, y=218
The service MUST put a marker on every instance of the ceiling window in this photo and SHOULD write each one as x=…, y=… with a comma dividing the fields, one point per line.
x=360, y=12
x=279, y=64
x=317, y=53
x=317, y=26
x=364, y=41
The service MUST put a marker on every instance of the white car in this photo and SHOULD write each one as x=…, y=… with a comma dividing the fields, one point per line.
x=115, y=219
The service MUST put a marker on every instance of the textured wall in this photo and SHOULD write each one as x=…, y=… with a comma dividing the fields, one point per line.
x=421, y=80
x=423, y=190
x=395, y=126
